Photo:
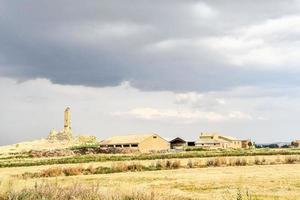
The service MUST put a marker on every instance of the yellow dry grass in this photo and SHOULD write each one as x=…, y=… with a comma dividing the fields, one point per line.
x=266, y=182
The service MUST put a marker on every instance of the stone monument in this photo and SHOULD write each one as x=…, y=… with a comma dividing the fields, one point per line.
x=66, y=132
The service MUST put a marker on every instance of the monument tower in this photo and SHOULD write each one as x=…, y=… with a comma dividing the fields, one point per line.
x=67, y=120
x=66, y=132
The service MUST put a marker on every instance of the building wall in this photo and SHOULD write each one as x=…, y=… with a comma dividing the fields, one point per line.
x=154, y=144
x=210, y=145
x=235, y=144
x=178, y=145
x=221, y=142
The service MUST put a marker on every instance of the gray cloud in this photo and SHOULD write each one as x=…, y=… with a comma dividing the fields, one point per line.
x=154, y=45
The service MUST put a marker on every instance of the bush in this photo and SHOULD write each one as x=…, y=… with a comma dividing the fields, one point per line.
x=135, y=167
x=210, y=163
x=52, y=172
x=175, y=164
x=257, y=161
x=190, y=164
x=240, y=162
x=168, y=164
x=73, y=171
x=159, y=164
x=290, y=160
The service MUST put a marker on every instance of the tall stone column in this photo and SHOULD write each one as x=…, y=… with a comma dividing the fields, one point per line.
x=67, y=131
x=67, y=119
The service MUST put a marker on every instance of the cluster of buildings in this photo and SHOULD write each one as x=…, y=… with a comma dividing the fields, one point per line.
x=152, y=142
x=155, y=143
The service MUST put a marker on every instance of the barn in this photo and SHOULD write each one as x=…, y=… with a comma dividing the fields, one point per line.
x=144, y=143
x=178, y=143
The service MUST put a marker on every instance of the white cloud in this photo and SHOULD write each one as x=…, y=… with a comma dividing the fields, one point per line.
x=148, y=113
x=273, y=44
x=191, y=97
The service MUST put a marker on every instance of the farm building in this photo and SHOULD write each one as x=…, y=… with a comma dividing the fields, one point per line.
x=247, y=144
x=178, y=143
x=215, y=141
x=142, y=142
x=295, y=143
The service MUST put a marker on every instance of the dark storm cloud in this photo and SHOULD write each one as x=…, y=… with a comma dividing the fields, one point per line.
x=104, y=43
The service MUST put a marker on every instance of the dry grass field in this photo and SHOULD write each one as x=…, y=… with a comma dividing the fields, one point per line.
x=261, y=182
x=255, y=177
x=223, y=175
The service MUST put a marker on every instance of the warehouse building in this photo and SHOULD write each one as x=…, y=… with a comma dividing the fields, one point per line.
x=216, y=141
x=178, y=143
x=144, y=143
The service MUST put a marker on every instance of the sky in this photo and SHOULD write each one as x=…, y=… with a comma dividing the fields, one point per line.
x=173, y=67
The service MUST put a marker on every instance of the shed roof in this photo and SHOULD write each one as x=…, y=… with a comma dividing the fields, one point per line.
x=128, y=139
x=219, y=136
x=205, y=141
x=178, y=139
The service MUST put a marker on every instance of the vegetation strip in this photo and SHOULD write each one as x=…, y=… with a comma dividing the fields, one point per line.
x=159, y=165
x=102, y=158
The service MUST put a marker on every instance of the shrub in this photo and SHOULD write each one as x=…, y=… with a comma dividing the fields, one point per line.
x=240, y=162
x=168, y=164
x=290, y=160
x=30, y=175
x=210, y=163
x=190, y=164
x=119, y=167
x=73, y=171
x=257, y=161
x=52, y=172
x=159, y=164
x=135, y=167
x=175, y=164
x=91, y=170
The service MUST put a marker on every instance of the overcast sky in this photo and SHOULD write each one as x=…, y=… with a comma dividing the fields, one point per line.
x=174, y=67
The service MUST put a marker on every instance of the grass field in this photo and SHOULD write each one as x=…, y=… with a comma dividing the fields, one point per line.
x=262, y=182
x=233, y=175
x=21, y=159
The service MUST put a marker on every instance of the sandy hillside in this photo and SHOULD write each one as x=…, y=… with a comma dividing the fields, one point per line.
x=41, y=144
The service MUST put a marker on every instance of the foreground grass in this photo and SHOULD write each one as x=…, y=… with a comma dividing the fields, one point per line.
x=103, y=158
x=76, y=191
x=266, y=182
x=95, y=192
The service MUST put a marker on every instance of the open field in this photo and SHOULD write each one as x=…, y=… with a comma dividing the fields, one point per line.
x=23, y=159
x=262, y=182
x=235, y=174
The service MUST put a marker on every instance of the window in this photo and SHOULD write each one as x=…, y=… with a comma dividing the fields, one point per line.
x=103, y=145
x=154, y=136
x=125, y=145
x=118, y=145
x=110, y=145
x=134, y=145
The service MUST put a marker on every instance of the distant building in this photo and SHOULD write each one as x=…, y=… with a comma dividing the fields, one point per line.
x=216, y=141
x=178, y=143
x=295, y=143
x=247, y=144
x=191, y=143
x=144, y=142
